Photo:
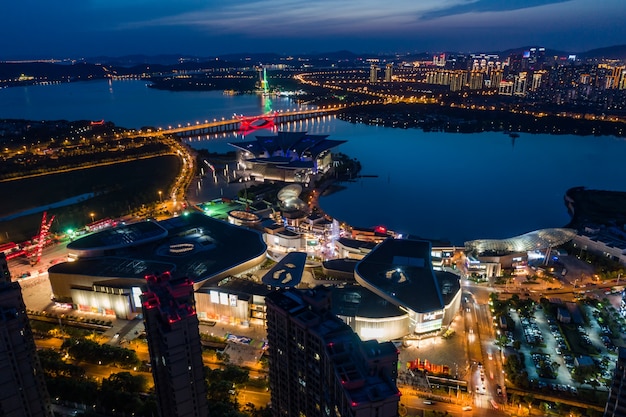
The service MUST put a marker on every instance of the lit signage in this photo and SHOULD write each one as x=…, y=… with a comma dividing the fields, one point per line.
x=215, y=297
x=435, y=315
x=223, y=298
x=233, y=300
x=136, y=291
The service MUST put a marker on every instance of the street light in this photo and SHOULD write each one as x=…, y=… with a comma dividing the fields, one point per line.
x=92, y=216
x=160, y=196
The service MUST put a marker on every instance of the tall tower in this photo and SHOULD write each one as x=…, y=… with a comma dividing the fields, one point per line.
x=374, y=73
x=616, y=403
x=22, y=386
x=320, y=367
x=174, y=345
x=388, y=72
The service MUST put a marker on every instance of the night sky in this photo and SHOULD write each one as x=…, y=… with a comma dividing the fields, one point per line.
x=87, y=28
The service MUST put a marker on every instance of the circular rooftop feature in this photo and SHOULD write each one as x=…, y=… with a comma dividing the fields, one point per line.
x=243, y=218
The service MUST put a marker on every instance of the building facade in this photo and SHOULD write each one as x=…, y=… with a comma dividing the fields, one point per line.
x=374, y=73
x=174, y=344
x=319, y=366
x=22, y=387
x=401, y=272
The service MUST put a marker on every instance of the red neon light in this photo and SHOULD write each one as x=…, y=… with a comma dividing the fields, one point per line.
x=251, y=123
x=380, y=229
x=97, y=123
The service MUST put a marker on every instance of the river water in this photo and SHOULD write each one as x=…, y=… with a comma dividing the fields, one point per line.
x=456, y=187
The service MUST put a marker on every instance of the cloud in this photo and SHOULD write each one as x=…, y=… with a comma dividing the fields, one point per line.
x=480, y=6
x=302, y=17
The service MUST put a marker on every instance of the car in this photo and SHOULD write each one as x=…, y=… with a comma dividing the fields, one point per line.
x=467, y=408
x=428, y=402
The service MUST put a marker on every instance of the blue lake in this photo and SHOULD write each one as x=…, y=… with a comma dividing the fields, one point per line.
x=436, y=185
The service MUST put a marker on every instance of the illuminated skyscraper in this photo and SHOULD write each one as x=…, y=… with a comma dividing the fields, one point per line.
x=22, y=387
x=174, y=345
x=319, y=366
x=388, y=72
x=374, y=73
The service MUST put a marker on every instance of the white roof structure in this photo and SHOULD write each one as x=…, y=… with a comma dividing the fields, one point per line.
x=539, y=239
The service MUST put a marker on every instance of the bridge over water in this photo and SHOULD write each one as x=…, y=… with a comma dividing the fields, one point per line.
x=234, y=124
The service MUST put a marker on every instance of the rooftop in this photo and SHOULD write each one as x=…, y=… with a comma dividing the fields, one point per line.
x=357, y=301
x=119, y=237
x=287, y=273
x=195, y=246
x=291, y=145
x=243, y=288
x=400, y=270
x=539, y=239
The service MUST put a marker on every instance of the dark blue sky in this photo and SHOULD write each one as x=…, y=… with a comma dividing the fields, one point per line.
x=83, y=28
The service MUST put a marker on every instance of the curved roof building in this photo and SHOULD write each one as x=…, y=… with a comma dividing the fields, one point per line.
x=286, y=156
x=400, y=271
x=290, y=145
x=195, y=246
x=539, y=239
x=130, y=235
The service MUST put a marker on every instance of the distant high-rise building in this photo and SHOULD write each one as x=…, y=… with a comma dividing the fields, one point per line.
x=496, y=77
x=457, y=80
x=505, y=88
x=476, y=80
x=174, y=345
x=439, y=60
x=621, y=84
x=537, y=58
x=374, y=73
x=388, y=72
x=538, y=77
x=616, y=78
x=585, y=79
x=616, y=403
x=520, y=84
x=319, y=367
x=22, y=387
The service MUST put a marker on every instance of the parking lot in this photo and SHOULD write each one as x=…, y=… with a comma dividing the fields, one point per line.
x=553, y=350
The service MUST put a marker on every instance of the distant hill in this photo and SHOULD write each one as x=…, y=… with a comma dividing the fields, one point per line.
x=50, y=71
x=549, y=51
x=134, y=60
x=610, y=52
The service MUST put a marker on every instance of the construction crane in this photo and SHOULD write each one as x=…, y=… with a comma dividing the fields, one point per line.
x=44, y=229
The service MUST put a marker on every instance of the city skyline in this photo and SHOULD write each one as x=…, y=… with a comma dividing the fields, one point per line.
x=87, y=29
